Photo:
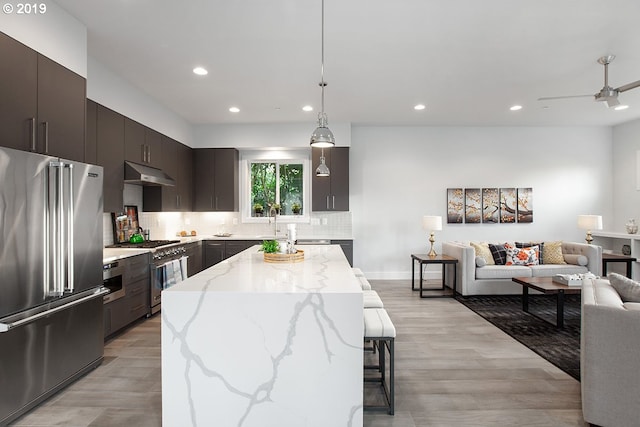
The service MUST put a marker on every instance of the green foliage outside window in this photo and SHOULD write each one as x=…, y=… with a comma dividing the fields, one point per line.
x=276, y=183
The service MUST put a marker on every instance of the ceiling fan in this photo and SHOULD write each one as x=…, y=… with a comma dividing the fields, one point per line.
x=607, y=93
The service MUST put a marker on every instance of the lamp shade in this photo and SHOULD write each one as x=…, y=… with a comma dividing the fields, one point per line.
x=432, y=222
x=590, y=222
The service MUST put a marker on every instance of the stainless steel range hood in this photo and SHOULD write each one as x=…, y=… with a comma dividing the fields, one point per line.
x=145, y=175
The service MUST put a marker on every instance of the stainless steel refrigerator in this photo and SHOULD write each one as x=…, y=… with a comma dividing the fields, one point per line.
x=51, y=314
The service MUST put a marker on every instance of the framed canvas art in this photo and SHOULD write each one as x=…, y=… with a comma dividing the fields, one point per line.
x=472, y=205
x=490, y=205
x=525, y=205
x=508, y=205
x=455, y=205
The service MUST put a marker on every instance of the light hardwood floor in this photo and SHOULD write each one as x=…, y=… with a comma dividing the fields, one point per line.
x=452, y=369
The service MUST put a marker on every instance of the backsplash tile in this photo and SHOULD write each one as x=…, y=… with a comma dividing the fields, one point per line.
x=165, y=225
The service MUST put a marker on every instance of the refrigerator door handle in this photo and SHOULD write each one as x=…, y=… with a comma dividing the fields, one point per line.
x=58, y=234
x=4, y=327
x=46, y=273
x=70, y=236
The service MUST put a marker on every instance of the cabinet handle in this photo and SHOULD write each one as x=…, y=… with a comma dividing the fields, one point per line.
x=148, y=154
x=216, y=202
x=33, y=133
x=177, y=201
x=334, y=202
x=144, y=152
x=46, y=137
x=327, y=202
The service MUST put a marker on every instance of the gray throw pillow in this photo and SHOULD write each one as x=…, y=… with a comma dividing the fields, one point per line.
x=629, y=290
x=576, y=259
x=480, y=261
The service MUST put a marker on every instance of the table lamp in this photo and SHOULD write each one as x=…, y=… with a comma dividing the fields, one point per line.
x=589, y=222
x=432, y=223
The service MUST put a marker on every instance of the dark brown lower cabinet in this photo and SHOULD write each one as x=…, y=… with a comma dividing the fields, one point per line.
x=194, y=262
x=136, y=302
x=347, y=248
x=216, y=251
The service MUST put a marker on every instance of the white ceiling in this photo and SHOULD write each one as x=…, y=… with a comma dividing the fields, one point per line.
x=467, y=60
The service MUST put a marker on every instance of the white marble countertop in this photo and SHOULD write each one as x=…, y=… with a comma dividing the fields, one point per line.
x=253, y=344
x=114, y=254
x=324, y=269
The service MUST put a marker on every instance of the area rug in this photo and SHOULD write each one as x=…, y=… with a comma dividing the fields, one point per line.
x=559, y=346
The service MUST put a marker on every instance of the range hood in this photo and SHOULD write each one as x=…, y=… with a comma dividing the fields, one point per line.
x=145, y=175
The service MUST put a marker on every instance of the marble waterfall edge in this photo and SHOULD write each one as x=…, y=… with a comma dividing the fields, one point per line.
x=247, y=343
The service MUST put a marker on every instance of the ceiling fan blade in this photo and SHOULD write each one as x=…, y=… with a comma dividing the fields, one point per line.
x=546, y=98
x=628, y=86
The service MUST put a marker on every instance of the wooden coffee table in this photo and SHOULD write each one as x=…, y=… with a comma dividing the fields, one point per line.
x=548, y=287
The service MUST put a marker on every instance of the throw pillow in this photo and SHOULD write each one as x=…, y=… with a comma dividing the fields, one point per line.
x=629, y=290
x=522, y=256
x=530, y=244
x=553, y=253
x=480, y=262
x=499, y=254
x=482, y=249
x=576, y=259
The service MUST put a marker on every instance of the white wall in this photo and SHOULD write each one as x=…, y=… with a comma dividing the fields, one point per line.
x=626, y=197
x=55, y=34
x=107, y=88
x=266, y=135
x=399, y=174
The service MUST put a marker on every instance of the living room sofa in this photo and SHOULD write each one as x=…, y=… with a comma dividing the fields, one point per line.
x=496, y=279
x=609, y=362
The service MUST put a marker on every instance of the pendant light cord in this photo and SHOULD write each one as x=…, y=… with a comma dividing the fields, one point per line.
x=322, y=84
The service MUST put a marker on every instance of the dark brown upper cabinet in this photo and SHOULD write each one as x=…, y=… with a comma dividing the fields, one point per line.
x=110, y=155
x=19, y=94
x=216, y=180
x=141, y=144
x=91, y=141
x=330, y=193
x=42, y=107
x=177, y=162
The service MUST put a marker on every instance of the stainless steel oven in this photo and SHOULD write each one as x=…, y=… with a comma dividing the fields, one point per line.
x=169, y=266
x=112, y=273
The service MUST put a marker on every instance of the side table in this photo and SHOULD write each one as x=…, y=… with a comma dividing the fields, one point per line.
x=445, y=260
x=607, y=258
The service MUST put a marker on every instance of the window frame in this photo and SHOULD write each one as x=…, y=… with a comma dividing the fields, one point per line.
x=274, y=156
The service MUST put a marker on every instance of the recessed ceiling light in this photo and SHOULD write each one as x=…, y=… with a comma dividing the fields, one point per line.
x=234, y=109
x=621, y=107
x=200, y=71
x=516, y=108
x=307, y=108
x=419, y=107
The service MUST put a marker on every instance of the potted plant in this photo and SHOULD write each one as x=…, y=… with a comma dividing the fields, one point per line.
x=295, y=208
x=257, y=208
x=270, y=246
x=276, y=208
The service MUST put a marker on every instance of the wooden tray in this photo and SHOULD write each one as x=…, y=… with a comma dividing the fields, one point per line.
x=283, y=258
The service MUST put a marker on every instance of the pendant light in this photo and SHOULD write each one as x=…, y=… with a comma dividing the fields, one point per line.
x=322, y=170
x=322, y=137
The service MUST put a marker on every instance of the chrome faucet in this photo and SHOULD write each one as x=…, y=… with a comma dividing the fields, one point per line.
x=272, y=211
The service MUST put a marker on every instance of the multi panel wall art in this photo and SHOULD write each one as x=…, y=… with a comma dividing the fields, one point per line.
x=489, y=205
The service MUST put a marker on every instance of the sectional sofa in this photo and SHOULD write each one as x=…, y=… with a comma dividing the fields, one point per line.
x=477, y=276
x=609, y=363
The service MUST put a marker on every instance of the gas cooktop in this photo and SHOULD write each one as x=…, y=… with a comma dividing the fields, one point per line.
x=144, y=245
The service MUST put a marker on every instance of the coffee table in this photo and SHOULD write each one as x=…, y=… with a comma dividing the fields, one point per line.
x=548, y=287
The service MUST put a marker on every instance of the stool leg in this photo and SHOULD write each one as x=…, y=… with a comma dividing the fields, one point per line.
x=391, y=344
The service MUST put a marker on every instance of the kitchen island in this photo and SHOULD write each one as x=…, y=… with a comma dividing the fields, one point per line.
x=250, y=343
